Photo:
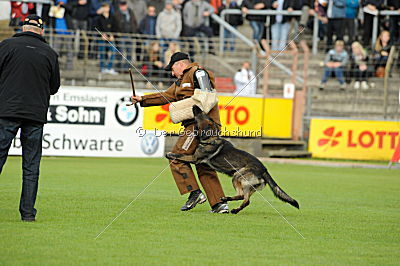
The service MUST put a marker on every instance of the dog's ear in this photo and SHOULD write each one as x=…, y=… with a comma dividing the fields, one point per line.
x=196, y=110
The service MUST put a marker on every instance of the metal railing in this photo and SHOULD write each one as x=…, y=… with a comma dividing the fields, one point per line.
x=388, y=69
x=271, y=13
x=375, y=26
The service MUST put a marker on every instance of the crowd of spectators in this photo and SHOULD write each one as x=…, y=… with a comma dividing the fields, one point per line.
x=165, y=21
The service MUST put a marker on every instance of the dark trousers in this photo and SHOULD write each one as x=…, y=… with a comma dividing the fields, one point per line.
x=190, y=32
x=335, y=25
x=360, y=75
x=338, y=73
x=349, y=28
x=394, y=29
x=31, y=141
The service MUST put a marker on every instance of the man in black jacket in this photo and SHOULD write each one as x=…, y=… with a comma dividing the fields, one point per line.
x=125, y=23
x=256, y=21
x=29, y=74
x=371, y=6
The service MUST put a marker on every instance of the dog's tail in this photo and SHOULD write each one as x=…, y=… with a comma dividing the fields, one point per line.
x=278, y=192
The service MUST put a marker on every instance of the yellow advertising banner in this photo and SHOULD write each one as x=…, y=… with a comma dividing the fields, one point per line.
x=240, y=117
x=353, y=139
x=277, y=118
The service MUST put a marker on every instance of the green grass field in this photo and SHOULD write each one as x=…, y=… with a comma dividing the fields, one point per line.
x=348, y=216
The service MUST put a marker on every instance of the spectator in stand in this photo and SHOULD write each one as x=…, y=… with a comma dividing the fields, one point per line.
x=320, y=9
x=169, y=25
x=158, y=4
x=195, y=14
x=63, y=40
x=125, y=23
x=139, y=8
x=370, y=8
x=256, y=22
x=335, y=60
x=381, y=53
x=107, y=25
x=233, y=20
x=95, y=10
x=215, y=25
x=79, y=10
x=148, y=24
x=154, y=63
x=349, y=26
x=297, y=33
x=359, y=66
x=43, y=10
x=19, y=11
x=336, y=13
x=307, y=9
x=245, y=81
x=280, y=24
x=173, y=47
x=394, y=22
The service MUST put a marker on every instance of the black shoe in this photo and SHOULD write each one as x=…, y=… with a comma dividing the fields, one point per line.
x=195, y=197
x=28, y=219
x=220, y=208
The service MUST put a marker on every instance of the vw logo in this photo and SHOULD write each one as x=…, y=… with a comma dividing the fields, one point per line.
x=126, y=115
x=149, y=144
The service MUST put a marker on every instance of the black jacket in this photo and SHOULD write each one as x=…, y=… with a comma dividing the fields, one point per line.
x=234, y=20
x=29, y=74
x=377, y=3
x=249, y=4
x=124, y=26
x=107, y=24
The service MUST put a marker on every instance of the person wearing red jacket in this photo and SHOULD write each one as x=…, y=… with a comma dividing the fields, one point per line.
x=19, y=11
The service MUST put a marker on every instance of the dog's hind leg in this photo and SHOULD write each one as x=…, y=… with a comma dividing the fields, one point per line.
x=244, y=204
x=248, y=190
x=239, y=190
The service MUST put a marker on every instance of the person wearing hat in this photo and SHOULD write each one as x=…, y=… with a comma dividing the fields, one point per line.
x=29, y=74
x=181, y=89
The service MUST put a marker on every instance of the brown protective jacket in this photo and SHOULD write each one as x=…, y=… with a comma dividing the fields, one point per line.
x=181, y=89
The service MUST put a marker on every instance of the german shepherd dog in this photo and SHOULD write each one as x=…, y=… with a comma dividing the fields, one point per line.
x=247, y=172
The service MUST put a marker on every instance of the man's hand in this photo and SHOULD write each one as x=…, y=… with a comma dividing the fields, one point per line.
x=135, y=99
x=330, y=64
x=337, y=64
x=371, y=7
x=324, y=20
x=363, y=67
x=206, y=13
x=259, y=6
x=245, y=10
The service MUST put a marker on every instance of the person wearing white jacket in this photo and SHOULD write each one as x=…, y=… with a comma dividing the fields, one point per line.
x=245, y=81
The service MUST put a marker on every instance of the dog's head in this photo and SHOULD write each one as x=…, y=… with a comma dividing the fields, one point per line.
x=206, y=127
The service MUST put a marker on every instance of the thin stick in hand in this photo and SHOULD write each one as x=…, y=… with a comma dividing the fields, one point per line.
x=133, y=86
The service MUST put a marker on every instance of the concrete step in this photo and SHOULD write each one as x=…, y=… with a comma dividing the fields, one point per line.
x=392, y=115
x=287, y=154
x=282, y=142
